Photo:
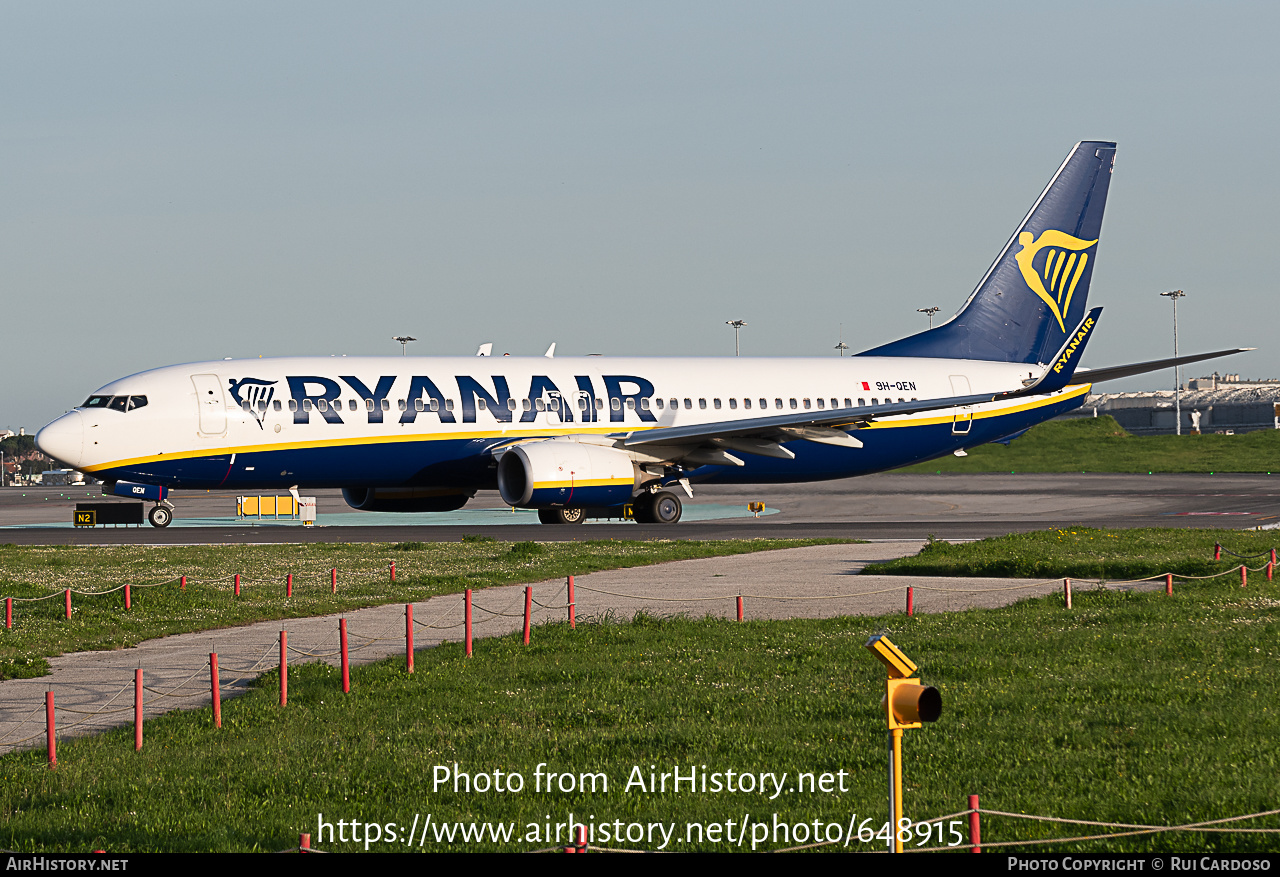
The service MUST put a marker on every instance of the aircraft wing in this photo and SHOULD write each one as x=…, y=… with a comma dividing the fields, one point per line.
x=765, y=435
x=1097, y=375
x=821, y=426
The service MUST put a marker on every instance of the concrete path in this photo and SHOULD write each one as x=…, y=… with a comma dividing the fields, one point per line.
x=95, y=690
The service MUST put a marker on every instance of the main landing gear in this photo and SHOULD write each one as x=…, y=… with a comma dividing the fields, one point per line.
x=160, y=516
x=656, y=508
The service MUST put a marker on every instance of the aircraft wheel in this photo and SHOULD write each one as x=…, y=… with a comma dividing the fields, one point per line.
x=666, y=508
x=561, y=516
x=656, y=508
x=160, y=516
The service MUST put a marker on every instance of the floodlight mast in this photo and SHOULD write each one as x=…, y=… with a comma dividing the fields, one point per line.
x=929, y=312
x=404, y=341
x=737, y=326
x=1174, y=295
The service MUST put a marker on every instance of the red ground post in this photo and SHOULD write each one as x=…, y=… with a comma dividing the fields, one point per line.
x=1168, y=583
x=288, y=585
x=304, y=843
x=1066, y=591
x=237, y=584
x=1244, y=576
x=1217, y=551
x=137, y=709
x=333, y=580
x=8, y=613
x=393, y=572
x=975, y=828
x=911, y=601
x=50, y=738
x=739, y=607
x=284, y=667
x=408, y=637
x=467, y=613
x=182, y=584
x=346, y=662
x=128, y=597
x=215, y=689
x=528, y=608
x=572, y=606
x=67, y=594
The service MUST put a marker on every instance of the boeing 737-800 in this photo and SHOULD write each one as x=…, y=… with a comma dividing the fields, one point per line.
x=572, y=437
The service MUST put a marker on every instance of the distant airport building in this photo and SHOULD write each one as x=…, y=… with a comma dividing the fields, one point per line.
x=1213, y=404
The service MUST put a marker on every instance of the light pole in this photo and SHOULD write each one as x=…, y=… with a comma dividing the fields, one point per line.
x=1177, y=370
x=928, y=312
x=404, y=341
x=737, y=326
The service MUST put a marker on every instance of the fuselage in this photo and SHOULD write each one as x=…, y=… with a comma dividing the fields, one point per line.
x=373, y=422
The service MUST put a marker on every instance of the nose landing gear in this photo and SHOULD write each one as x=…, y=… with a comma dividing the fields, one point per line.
x=161, y=515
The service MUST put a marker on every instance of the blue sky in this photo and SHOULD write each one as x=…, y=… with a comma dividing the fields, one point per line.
x=200, y=180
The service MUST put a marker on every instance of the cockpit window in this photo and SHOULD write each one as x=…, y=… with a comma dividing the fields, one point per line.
x=115, y=403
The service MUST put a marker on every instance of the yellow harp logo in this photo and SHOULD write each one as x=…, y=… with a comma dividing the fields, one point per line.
x=1061, y=269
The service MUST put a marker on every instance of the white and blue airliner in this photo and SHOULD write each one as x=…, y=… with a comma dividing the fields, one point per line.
x=577, y=437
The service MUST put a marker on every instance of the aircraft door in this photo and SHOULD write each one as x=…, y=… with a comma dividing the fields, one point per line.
x=962, y=422
x=212, y=404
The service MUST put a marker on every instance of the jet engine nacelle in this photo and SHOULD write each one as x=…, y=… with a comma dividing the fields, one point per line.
x=405, y=499
x=559, y=473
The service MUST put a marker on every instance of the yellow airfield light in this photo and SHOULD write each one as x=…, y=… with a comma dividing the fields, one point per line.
x=898, y=664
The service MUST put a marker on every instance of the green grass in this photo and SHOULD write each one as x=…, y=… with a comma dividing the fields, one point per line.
x=1082, y=552
x=36, y=577
x=1133, y=707
x=1101, y=445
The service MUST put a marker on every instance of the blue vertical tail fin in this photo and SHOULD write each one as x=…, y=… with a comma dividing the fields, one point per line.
x=1036, y=291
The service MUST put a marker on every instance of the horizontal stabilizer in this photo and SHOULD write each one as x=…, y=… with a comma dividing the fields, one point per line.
x=1098, y=375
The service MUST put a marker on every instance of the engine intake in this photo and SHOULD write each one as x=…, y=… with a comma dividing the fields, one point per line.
x=560, y=473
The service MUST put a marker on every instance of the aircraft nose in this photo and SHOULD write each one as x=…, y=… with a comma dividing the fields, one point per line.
x=63, y=439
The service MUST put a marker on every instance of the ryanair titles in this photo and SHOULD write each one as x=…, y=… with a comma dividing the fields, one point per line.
x=419, y=395
x=1070, y=350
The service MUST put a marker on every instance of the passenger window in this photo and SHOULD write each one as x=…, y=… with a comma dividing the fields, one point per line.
x=351, y=405
x=553, y=404
x=386, y=404
x=862, y=403
x=293, y=404
x=675, y=403
x=631, y=404
x=448, y=404
x=322, y=404
x=582, y=403
x=820, y=403
x=807, y=404
x=434, y=406
x=793, y=404
x=615, y=403
x=526, y=404
x=702, y=403
x=540, y=404
x=764, y=404
x=733, y=404
x=306, y=404
x=482, y=404
x=746, y=403
x=849, y=404
x=401, y=404
x=875, y=401
x=419, y=405
x=368, y=404
x=777, y=403
x=511, y=404
x=276, y=404
x=716, y=403
x=245, y=406
x=659, y=401
x=644, y=403
x=599, y=404
x=688, y=403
